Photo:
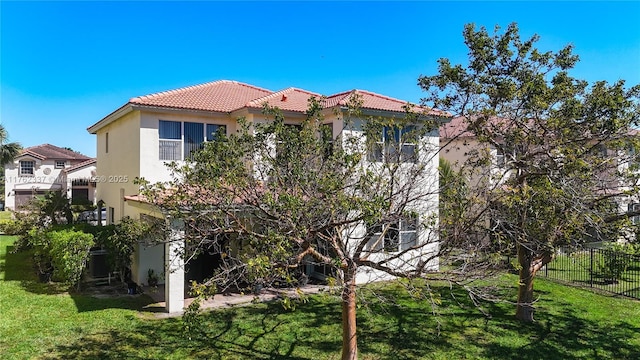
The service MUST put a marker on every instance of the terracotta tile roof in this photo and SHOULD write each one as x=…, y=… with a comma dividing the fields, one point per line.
x=48, y=151
x=80, y=165
x=457, y=127
x=221, y=95
x=371, y=100
x=227, y=96
x=290, y=99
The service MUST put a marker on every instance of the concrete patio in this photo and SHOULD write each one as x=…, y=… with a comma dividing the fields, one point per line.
x=227, y=300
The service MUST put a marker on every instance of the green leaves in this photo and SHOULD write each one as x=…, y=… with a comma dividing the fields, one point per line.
x=69, y=252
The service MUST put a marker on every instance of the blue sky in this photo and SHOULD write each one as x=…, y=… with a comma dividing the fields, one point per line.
x=65, y=65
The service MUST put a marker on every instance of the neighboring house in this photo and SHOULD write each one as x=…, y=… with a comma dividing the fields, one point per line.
x=139, y=138
x=46, y=167
x=458, y=143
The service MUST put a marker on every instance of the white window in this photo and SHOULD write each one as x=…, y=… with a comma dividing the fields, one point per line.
x=27, y=167
x=634, y=208
x=214, y=131
x=170, y=140
x=394, y=237
x=60, y=164
x=396, y=144
x=175, y=146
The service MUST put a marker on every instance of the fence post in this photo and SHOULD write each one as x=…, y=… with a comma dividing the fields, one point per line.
x=591, y=267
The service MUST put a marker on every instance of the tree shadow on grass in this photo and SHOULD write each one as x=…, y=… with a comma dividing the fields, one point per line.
x=265, y=331
x=398, y=328
x=569, y=336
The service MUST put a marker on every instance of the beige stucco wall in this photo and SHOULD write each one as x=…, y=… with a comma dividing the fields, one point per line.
x=153, y=169
x=456, y=152
x=147, y=255
x=120, y=165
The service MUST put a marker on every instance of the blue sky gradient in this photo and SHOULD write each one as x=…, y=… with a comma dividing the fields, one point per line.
x=66, y=65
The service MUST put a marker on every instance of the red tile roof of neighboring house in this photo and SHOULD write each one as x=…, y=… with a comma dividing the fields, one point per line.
x=221, y=96
x=48, y=151
x=77, y=166
x=457, y=127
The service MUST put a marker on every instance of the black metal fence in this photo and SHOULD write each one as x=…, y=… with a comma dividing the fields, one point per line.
x=604, y=269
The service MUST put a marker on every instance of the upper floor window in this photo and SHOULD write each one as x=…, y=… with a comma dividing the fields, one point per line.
x=27, y=167
x=214, y=131
x=396, y=144
x=394, y=237
x=170, y=140
x=193, y=137
x=195, y=134
x=175, y=146
x=60, y=164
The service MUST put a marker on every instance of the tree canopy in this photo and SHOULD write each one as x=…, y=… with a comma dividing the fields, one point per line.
x=568, y=146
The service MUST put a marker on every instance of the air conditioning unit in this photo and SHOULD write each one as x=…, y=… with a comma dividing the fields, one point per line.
x=98, y=266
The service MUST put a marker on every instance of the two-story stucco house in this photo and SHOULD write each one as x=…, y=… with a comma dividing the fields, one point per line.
x=140, y=137
x=46, y=167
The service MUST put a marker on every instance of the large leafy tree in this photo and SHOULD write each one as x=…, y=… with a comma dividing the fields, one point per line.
x=272, y=197
x=8, y=151
x=565, y=145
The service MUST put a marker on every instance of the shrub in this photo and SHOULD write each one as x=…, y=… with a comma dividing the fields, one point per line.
x=10, y=227
x=69, y=252
x=120, y=241
x=613, y=263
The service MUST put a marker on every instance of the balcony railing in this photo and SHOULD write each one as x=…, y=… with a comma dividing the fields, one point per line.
x=170, y=150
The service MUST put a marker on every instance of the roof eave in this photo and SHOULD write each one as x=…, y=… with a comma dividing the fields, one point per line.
x=118, y=113
x=129, y=107
x=285, y=113
x=165, y=109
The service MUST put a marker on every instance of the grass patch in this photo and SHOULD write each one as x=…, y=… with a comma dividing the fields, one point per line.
x=6, y=215
x=39, y=321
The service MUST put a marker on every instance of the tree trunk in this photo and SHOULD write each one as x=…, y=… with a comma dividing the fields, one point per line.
x=524, y=308
x=349, y=339
x=530, y=263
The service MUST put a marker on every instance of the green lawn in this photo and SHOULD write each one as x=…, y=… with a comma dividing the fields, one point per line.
x=42, y=321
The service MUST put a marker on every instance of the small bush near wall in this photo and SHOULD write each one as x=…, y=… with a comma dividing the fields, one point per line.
x=69, y=252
